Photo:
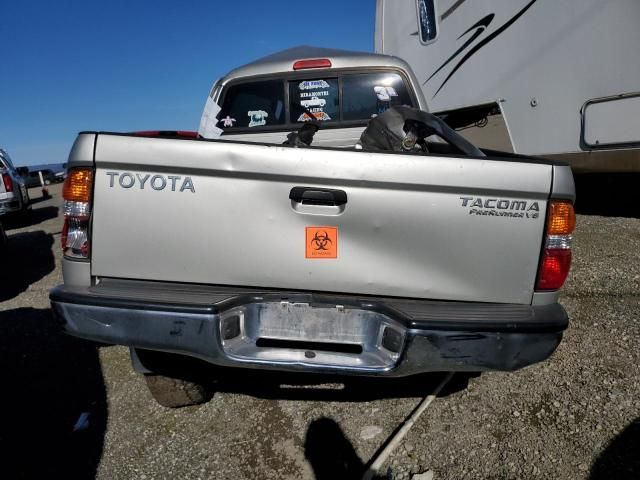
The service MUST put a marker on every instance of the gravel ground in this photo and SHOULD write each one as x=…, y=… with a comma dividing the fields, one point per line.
x=575, y=416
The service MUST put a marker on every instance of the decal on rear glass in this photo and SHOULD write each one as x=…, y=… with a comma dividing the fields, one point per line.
x=324, y=116
x=321, y=242
x=313, y=84
x=228, y=121
x=385, y=93
x=314, y=102
x=258, y=118
x=315, y=96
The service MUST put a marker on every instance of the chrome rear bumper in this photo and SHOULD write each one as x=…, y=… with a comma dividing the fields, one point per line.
x=302, y=331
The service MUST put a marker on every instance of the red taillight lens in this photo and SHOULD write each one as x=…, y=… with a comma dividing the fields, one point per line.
x=556, y=258
x=8, y=183
x=312, y=63
x=77, y=212
x=554, y=269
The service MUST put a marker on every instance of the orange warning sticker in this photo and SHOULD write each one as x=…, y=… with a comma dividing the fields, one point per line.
x=321, y=242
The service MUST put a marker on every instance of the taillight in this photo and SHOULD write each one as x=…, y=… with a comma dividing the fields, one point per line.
x=556, y=257
x=8, y=183
x=77, y=211
x=312, y=63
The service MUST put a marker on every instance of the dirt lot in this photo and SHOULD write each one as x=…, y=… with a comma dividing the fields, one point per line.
x=575, y=416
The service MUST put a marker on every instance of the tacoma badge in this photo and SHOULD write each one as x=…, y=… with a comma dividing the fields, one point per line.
x=501, y=207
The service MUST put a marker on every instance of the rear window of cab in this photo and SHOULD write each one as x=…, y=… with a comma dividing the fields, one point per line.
x=336, y=100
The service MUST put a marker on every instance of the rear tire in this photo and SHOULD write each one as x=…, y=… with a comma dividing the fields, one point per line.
x=176, y=392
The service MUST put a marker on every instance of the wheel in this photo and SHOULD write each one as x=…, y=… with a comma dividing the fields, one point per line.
x=176, y=392
x=47, y=182
x=174, y=380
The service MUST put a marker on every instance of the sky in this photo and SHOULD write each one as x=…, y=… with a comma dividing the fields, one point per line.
x=68, y=66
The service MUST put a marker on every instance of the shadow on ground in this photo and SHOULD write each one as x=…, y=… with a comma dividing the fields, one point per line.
x=327, y=449
x=49, y=381
x=302, y=386
x=620, y=460
x=609, y=195
x=30, y=218
x=28, y=259
x=330, y=453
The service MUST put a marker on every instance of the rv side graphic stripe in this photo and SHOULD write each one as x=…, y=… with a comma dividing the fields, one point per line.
x=483, y=43
x=453, y=8
x=481, y=26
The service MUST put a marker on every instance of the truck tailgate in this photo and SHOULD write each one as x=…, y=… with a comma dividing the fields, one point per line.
x=436, y=227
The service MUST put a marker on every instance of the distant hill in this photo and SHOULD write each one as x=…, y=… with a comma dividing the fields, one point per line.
x=55, y=167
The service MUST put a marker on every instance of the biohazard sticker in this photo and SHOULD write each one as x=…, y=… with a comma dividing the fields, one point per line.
x=321, y=242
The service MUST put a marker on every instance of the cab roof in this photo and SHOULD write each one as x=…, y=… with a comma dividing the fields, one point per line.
x=283, y=61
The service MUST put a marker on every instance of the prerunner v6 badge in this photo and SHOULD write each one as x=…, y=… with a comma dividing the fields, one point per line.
x=321, y=242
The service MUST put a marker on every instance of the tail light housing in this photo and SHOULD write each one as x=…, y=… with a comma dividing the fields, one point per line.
x=556, y=256
x=8, y=183
x=77, y=192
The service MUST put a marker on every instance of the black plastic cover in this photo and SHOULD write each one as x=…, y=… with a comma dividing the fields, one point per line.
x=387, y=131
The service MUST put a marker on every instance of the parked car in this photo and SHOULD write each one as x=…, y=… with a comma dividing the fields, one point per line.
x=59, y=177
x=415, y=252
x=13, y=192
x=32, y=177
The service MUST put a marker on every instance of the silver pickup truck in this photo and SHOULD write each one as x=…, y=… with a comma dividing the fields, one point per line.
x=371, y=261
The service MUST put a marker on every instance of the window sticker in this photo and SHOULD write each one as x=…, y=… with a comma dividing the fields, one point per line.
x=385, y=93
x=317, y=99
x=322, y=116
x=382, y=94
x=228, y=121
x=258, y=118
x=313, y=102
x=313, y=84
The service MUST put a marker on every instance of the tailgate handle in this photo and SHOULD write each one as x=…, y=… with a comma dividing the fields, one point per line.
x=318, y=196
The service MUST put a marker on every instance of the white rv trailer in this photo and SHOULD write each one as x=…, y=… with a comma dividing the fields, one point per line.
x=558, y=78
